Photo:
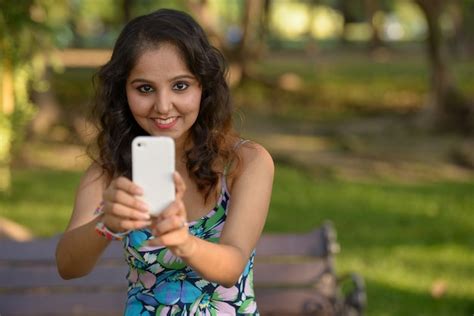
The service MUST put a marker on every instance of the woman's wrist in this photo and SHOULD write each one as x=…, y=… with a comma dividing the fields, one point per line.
x=106, y=232
x=187, y=249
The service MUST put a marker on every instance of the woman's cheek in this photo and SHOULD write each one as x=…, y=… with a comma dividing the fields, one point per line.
x=139, y=105
x=191, y=102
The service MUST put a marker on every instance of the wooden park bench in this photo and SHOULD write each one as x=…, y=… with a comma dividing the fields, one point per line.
x=294, y=275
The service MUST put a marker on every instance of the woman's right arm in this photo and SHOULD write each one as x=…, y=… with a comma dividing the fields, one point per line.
x=81, y=246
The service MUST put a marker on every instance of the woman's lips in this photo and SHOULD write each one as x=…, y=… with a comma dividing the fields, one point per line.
x=166, y=123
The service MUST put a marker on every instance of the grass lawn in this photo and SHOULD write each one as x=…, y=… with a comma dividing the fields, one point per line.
x=40, y=199
x=402, y=238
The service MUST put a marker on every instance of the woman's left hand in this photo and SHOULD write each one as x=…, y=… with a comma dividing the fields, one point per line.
x=170, y=227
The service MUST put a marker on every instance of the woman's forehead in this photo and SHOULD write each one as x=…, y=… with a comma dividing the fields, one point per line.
x=164, y=61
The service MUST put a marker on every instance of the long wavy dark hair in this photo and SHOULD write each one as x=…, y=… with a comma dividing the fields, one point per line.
x=211, y=136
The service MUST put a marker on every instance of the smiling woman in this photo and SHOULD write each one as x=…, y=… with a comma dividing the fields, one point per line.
x=197, y=256
x=163, y=95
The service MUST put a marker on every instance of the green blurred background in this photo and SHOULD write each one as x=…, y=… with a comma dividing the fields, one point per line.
x=365, y=105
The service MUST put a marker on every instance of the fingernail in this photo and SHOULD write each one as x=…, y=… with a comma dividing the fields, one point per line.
x=138, y=191
x=145, y=216
x=144, y=206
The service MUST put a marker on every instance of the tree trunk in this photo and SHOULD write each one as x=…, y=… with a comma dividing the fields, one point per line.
x=348, y=17
x=371, y=8
x=463, y=19
x=345, y=21
x=201, y=12
x=447, y=109
x=263, y=29
x=49, y=110
x=247, y=48
x=250, y=25
x=440, y=78
x=8, y=96
x=311, y=47
x=6, y=109
x=127, y=10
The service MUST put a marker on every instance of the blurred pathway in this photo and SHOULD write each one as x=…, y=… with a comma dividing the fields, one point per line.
x=365, y=149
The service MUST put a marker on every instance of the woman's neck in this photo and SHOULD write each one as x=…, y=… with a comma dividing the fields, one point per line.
x=180, y=154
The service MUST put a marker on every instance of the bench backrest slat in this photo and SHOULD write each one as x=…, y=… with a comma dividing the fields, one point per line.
x=290, y=301
x=14, y=279
x=106, y=275
x=92, y=303
x=44, y=250
x=270, y=274
x=320, y=242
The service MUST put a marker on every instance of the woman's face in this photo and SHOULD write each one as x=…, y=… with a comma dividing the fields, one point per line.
x=163, y=95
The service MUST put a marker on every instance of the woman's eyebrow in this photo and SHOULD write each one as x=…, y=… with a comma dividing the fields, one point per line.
x=184, y=76
x=140, y=80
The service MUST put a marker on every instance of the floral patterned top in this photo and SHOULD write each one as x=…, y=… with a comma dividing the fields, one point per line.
x=162, y=284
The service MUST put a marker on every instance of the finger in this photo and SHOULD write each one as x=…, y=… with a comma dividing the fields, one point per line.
x=179, y=184
x=122, y=183
x=124, y=198
x=155, y=242
x=125, y=212
x=169, y=224
x=175, y=208
x=117, y=225
x=133, y=225
x=173, y=238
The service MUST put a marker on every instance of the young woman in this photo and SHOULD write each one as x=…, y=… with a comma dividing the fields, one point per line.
x=196, y=257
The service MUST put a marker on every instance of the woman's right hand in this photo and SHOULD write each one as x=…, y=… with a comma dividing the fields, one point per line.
x=123, y=210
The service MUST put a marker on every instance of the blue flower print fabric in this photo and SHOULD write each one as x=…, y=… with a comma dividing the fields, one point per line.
x=161, y=283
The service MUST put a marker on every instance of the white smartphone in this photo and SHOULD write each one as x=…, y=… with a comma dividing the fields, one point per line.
x=153, y=164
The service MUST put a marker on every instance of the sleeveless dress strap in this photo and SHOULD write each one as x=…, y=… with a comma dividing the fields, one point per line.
x=240, y=142
x=236, y=146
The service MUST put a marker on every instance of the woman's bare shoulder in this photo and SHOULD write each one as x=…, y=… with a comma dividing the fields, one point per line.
x=255, y=158
x=93, y=179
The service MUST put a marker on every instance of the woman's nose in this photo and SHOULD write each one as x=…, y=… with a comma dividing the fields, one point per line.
x=163, y=103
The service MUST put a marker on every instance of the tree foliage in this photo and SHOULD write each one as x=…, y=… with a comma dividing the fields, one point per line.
x=29, y=30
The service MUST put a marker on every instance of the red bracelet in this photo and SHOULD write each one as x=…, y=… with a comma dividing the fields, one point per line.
x=103, y=231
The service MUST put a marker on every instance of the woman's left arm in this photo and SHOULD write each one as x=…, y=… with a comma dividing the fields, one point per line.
x=250, y=199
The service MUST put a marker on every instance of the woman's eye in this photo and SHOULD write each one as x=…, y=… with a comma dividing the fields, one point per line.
x=180, y=86
x=145, y=89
